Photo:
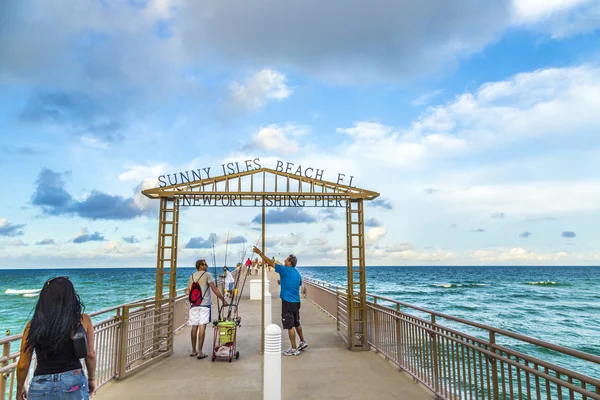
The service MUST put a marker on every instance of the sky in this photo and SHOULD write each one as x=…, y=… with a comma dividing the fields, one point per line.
x=477, y=122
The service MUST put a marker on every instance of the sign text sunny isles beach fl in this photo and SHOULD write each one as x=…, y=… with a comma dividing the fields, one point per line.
x=208, y=199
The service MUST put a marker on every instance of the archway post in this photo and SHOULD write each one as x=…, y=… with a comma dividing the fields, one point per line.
x=356, y=295
x=262, y=296
x=168, y=233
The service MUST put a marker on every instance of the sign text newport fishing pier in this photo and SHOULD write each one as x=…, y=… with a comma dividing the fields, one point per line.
x=236, y=200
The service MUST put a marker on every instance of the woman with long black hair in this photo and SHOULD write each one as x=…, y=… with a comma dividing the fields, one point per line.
x=51, y=333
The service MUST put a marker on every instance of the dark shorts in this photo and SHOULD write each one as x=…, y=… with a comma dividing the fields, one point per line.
x=290, y=314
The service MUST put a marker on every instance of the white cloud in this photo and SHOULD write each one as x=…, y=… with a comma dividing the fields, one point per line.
x=400, y=247
x=536, y=9
x=528, y=106
x=379, y=143
x=278, y=138
x=517, y=254
x=374, y=235
x=141, y=172
x=94, y=142
x=290, y=240
x=546, y=102
x=400, y=253
x=318, y=241
x=560, y=18
x=256, y=90
x=523, y=199
x=426, y=98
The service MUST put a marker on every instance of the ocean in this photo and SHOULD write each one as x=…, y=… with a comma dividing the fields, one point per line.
x=556, y=304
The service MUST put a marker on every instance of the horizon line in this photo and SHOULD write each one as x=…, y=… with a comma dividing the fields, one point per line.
x=320, y=266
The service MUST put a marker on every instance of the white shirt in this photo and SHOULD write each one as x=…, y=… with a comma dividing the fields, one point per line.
x=228, y=277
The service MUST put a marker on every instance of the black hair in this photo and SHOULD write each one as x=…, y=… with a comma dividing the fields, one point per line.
x=56, y=317
x=293, y=260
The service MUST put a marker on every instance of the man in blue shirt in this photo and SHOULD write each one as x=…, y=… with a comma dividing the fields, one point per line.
x=291, y=280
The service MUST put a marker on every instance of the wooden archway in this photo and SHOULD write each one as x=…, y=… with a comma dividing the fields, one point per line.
x=265, y=187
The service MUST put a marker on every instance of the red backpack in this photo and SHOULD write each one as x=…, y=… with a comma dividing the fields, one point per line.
x=196, y=295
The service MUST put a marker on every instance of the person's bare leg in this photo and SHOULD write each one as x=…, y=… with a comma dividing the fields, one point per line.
x=194, y=337
x=300, y=333
x=292, y=334
x=201, y=339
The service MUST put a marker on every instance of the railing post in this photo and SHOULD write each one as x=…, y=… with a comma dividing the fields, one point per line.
x=400, y=352
x=117, y=347
x=337, y=308
x=376, y=341
x=494, y=365
x=434, y=356
x=123, y=342
x=4, y=377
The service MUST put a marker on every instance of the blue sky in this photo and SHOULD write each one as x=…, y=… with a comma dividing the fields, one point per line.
x=477, y=124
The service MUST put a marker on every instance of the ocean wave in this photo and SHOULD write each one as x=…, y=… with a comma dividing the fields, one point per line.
x=31, y=295
x=23, y=291
x=458, y=285
x=545, y=283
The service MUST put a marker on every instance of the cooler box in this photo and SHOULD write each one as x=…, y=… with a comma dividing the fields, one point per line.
x=226, y=331
x=255, y=285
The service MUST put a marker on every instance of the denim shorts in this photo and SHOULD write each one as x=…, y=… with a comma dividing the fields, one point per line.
x=66, y=385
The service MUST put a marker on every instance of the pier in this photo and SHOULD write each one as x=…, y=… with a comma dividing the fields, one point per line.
x=326, y=370
x=143, y=353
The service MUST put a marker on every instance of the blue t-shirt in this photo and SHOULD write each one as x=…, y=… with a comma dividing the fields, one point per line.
x=291, y=280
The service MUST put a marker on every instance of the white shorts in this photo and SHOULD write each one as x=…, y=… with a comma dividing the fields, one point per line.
x=199, y=316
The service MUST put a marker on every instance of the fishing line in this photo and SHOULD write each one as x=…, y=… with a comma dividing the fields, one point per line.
x=239, y=296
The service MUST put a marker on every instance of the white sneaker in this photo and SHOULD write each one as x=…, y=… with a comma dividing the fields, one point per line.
x=291, y=352
x=302, y=345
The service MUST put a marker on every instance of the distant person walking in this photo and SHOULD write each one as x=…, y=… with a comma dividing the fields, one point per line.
x=248, y=264
x=291, y=280
x=60, y=334
x=200, y=304
x=257, y=266
x=229, y=281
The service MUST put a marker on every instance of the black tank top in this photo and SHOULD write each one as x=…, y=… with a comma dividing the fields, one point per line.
x=62, y=361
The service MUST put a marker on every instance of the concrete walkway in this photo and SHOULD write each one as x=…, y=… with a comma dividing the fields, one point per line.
x=325, y=370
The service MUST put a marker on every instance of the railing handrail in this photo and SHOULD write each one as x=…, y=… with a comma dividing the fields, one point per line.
x=454, y=364
x=562, y=349
x=393, y=313
x=19, y=336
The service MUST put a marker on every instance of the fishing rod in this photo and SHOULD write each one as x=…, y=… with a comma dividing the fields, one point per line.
x=237, y=281
x=223, y=286
x=214, y=260
x=239, y=294
x=226, y=247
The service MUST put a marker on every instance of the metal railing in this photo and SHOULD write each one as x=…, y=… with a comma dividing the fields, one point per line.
x=127, y=338
x=458, y=365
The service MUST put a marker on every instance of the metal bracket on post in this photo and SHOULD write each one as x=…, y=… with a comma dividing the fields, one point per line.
x=123, y=342
x=4, y=377
x=492, y=360
x=434, y=356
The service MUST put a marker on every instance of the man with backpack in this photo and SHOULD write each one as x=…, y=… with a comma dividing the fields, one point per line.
x=200, y=304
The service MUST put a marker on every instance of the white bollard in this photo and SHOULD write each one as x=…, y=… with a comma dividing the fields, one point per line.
x=272, y=364
x=268, y=310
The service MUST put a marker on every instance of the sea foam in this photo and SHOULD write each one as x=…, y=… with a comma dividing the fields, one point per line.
x=23, y=291
x=458, y=285
x=541, y=283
